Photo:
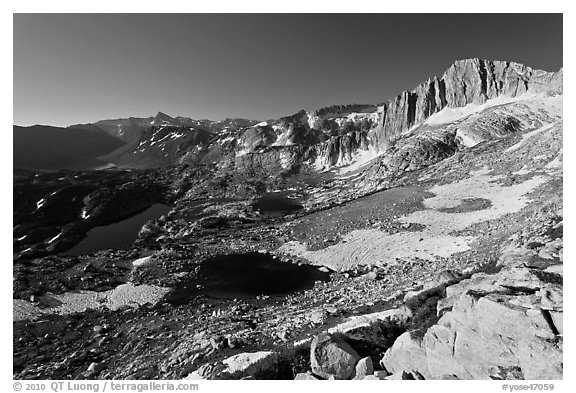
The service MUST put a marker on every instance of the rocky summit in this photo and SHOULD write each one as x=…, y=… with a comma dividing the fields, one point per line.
x=419, y=238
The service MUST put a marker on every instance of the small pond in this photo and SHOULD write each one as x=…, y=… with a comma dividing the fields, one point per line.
x=121, y=234
x=276, y=204
x=243, y=276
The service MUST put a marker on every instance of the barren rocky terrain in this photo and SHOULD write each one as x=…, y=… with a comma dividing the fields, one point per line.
x=438, y=257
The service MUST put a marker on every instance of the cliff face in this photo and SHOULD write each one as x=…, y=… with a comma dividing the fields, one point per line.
x=339, y=150
x=470, y=81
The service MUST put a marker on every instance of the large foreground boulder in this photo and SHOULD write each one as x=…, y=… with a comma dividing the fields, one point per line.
x=331, y=356
x=407, y=354
x=502, y=326
x=257, y=365
x=492, y=333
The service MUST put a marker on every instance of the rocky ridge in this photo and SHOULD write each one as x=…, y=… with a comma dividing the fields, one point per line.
x=330, y=137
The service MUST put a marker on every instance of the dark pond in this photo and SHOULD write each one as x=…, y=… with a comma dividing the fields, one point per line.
x=243, y=276
x=276, y=204
x=118, y=235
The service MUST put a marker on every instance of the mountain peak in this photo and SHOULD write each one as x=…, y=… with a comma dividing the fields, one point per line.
x=162, y=115
x=162, y=118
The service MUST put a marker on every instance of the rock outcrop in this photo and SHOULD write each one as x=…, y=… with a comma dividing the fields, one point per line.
x=436, y=141
x=340, y=150
x=469, y=81
x=261, y=365
x=492, y=326
x=500, y=321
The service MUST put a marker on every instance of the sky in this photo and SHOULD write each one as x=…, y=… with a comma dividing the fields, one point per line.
x=80, y=68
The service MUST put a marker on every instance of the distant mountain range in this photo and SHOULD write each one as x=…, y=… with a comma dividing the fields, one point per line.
x=46, y=147
x=335, y=136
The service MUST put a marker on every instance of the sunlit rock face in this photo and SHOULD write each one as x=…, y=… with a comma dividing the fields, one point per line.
x=469, y=81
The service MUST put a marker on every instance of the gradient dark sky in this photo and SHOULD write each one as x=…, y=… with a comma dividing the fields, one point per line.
x=81, y=68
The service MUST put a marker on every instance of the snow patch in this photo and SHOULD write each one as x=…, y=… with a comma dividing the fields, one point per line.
x=361, y=159
x=55, y=237
x=227, y=139
x=555, y=163
x=241, y=152
x=467, y=139
x=177, y=135
x=318, y=164
x=355, y=116
x=40, y=203
x=313, y=120
x=141, y=261
x=285, y=159
x=450, y=114
x=553, y=104
x=73, y=302
x=283, y=139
